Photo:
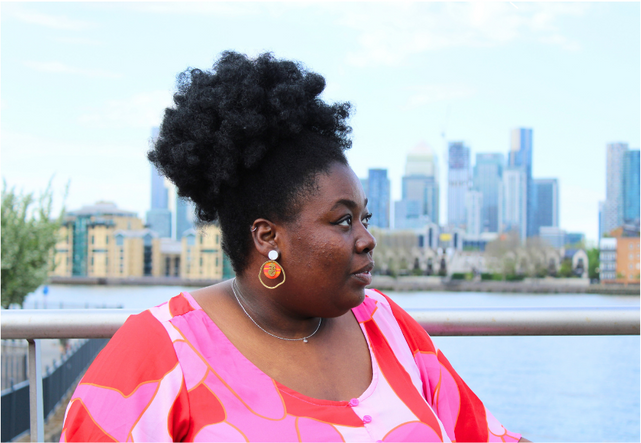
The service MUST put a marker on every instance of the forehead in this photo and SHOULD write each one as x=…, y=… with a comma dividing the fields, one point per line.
x=339, y=183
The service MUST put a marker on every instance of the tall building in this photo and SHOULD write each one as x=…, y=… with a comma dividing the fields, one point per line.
x=488, y=173
x=474, y=206
x=458, y=182
x=159, y=215
x=520, y=156
x=602, y=230
x=614, y=203
x=420, y=190
x=184, y=214
x=378, y=194
x=545, y=192
x=631, y=186
x=513, y=202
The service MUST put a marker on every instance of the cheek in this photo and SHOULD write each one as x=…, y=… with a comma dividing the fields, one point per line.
x=320, y=253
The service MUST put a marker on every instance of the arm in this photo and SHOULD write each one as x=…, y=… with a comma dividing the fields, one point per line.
x=133, y=390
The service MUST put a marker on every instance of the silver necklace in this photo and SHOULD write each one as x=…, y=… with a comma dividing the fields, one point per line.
x=234, y=288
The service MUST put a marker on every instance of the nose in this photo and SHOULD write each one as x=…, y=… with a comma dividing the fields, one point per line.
x=365, y=242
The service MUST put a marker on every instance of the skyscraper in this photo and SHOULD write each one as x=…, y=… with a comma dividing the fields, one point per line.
x=159, y=215
x=474, y=207
x=631, y=186
x=512, y=199
x=488, y=173
x=420, y=190
x=545, y=192
x=378, y=194
x=520, y=156
x=184, y=213
x=614, y=204
x=458, y=182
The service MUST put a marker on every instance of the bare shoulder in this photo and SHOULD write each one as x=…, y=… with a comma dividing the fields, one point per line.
x=214, y=299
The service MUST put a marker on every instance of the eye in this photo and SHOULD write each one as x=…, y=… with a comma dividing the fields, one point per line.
x=366, y=219
x=347, y=221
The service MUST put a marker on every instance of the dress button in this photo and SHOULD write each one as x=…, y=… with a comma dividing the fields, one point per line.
x=353, y=402
x=367, y=419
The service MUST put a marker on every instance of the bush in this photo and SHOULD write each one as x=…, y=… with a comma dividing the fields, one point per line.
x=485, y=276
x=514, y=277
x=458, y=276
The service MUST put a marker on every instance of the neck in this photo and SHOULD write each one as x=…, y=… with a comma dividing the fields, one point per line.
x=265, y=309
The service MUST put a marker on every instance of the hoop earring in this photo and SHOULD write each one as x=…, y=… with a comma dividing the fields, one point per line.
x=271, y=269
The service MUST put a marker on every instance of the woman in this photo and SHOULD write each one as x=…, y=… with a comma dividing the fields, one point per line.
x=294, y=348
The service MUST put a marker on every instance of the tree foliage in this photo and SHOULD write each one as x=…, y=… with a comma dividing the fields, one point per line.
x=509, y=257
x=28, y=238
x=593, y=263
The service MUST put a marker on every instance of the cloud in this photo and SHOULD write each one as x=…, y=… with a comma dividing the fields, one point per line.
x=52, y=21
x=420, y=95
x=142, y=110
x=79, y=41
x=209, y=8
x=388, y=34
x=62, y=68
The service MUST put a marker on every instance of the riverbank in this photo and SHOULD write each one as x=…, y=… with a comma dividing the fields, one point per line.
x=420, y=283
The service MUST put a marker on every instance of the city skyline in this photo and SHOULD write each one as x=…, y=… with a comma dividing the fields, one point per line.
x=85, y=82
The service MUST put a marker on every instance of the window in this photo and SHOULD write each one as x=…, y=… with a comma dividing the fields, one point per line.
x=92, y=239
x=107, y=239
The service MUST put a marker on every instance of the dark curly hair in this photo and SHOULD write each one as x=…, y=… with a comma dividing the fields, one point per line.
x=247, y=140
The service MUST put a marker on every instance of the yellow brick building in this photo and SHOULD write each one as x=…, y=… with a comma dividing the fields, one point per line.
x=103, y=241
x=202, y=255
x=86, y=243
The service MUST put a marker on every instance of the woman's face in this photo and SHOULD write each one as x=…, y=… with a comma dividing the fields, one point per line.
x=327, y=251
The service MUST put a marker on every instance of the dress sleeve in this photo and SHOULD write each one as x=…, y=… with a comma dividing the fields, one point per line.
x=133, y=391
x=463, y=415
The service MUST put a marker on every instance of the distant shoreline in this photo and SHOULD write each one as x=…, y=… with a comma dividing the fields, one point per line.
x=400, y=284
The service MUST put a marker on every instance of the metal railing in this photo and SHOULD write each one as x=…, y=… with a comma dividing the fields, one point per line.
x=34, y=325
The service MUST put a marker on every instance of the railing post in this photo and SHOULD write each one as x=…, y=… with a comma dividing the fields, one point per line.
x=36, y=406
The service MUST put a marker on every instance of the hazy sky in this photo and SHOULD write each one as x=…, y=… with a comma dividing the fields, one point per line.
x=83, y=83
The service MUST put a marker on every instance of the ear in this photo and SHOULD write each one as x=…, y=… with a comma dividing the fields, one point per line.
x=265, y=236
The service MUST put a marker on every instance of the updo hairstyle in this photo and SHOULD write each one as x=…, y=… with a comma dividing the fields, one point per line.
x=246, y=140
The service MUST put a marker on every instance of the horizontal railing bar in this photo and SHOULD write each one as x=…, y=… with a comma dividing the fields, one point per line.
x=529, y=321
x=103, y=323
x=62, y=323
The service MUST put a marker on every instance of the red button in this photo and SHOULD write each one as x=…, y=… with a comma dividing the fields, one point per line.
x=367, y=419
x=353, y=402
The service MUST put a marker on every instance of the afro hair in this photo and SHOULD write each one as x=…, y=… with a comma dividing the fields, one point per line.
x=246, y=140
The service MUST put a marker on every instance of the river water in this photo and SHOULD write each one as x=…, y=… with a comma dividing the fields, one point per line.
x=575, y=388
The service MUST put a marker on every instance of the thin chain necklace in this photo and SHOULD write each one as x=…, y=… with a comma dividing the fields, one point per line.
x=234, y=288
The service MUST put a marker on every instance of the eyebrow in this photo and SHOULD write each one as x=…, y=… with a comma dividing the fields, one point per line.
x=351, y=204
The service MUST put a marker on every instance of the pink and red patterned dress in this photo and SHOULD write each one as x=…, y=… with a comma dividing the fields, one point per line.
x=169, y=374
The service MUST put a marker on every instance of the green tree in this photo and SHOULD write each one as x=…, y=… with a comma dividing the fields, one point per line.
x=565, y=270
x=593, y=263
x=29, y=236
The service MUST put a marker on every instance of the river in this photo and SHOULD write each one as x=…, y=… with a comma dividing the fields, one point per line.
x=574, y=388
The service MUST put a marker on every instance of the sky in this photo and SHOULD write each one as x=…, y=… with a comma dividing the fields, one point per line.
x=82, y=84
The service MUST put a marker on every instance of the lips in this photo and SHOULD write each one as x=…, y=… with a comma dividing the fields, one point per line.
x=363, y=275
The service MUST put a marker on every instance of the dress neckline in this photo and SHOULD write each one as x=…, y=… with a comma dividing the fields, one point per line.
x=283, y=388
